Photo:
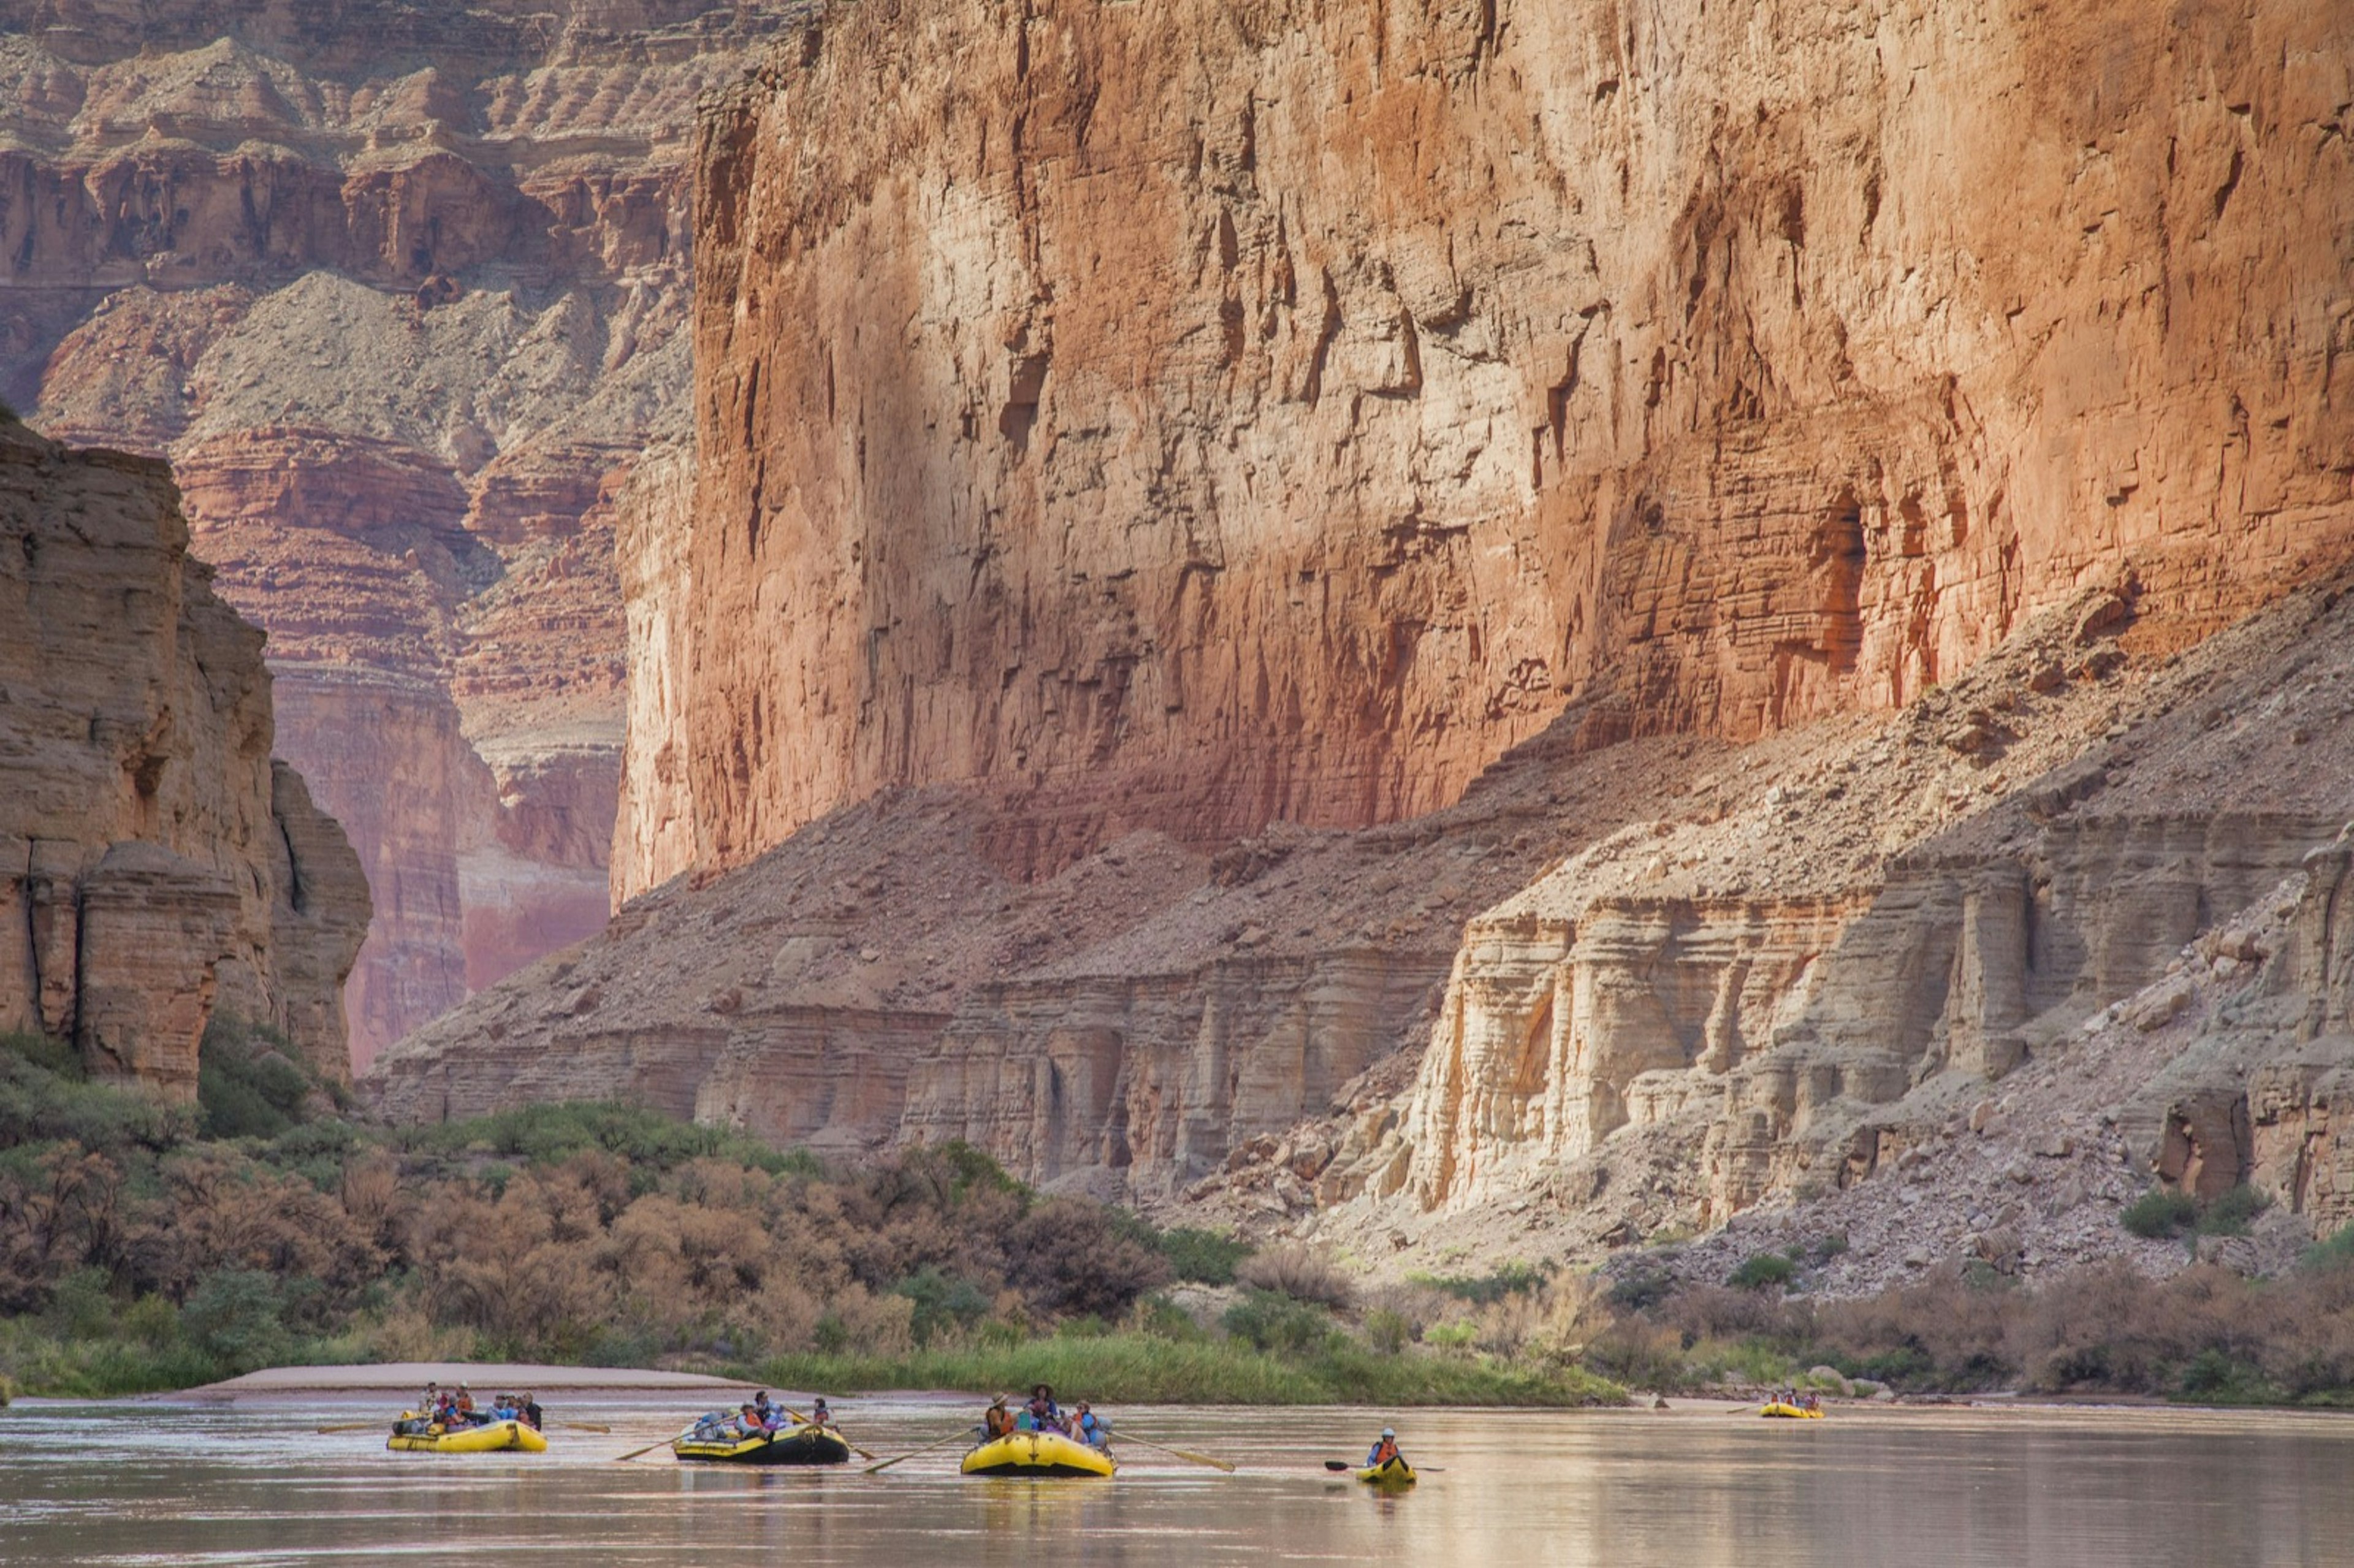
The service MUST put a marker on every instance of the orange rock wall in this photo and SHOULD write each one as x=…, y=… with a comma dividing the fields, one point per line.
x=157, y=864
x=1190, y=416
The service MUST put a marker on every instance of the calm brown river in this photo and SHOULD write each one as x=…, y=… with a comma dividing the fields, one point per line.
x=157, y=1484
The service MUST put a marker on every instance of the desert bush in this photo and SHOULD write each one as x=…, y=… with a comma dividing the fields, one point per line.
x=941, y=1301
x=2157, y=1214
x=1072, y=1257
x=249, y=1083
x=1387, y=1331
x=1205, y=1257
x=1300, y=1272
x=1761, y=1271
x=2231, y=1213
x=234, y=1317
x=1281, y=1324
x=1482, y=1290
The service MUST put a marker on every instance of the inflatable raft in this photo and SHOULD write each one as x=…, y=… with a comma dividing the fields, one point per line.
x=1791, y=1411
x=1388, y=1473
x=413, y=1434
x=1037, y=1453
x=792, y=1446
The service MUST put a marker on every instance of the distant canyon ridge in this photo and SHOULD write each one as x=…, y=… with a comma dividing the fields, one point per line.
x=400, y=290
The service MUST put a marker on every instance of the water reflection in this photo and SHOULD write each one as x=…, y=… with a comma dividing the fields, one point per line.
x=153, y=1484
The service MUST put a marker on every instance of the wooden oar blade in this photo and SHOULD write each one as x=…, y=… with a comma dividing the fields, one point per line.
x=583, y=1427
x=1225, y=1464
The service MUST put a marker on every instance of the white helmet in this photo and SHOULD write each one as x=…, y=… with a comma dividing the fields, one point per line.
x=1389, y=1431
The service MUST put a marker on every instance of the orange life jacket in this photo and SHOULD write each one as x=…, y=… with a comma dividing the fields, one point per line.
x=1383, y=1452
x=998, y=1421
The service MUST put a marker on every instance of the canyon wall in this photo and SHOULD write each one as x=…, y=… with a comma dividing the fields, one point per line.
x=157, y=864
x=1187, y=418
x=1494, y=629
x=400, y=290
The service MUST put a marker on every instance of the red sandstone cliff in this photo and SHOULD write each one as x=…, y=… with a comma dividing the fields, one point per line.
x=400, y=290
x=1186, y=416
x=1790, y=459
x=157, y=864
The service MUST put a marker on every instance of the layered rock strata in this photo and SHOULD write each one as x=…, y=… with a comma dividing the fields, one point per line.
x=1180, y=421
x=157, y=864
x=400, y=290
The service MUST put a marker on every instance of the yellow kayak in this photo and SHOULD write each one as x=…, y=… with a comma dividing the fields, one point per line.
x=794, y=1446
x=413, y=1434
x=1037, y=1453
x=1791, y=1411
x=1388, y=1473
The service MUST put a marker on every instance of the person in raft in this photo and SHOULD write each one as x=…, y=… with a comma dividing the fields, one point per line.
x=1045, y=1415
x=1384, y=1449
x=767, y=1412
x=1088, y=1427
x=997, y=1421
x=819, y=1415
x=528, y=1412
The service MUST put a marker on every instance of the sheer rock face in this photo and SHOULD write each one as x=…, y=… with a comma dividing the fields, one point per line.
x=1184, y=419
x=156, y=864
x=400, y=289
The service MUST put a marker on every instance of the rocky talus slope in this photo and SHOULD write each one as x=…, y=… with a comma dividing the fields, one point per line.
x=400, y=288
x=1493, y=631
x=157, y=864
x=1183, y=420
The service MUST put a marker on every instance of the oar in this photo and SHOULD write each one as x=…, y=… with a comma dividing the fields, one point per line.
x=807, y=1422
x=354, y=1427
x=1180, y=1453
x=925, y=1449
x=625, y=1458
x=583, y=1427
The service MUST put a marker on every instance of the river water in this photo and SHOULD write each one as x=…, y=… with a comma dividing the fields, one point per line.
x=148, y=1483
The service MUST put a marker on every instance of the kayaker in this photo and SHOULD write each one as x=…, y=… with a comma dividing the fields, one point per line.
x=1383, y=1450
x=996, y=1420
x=1045, y=1415
x=1087, y=1427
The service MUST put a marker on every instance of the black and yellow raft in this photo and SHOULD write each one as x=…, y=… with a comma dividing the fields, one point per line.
x=788, y=1445
x=1791, y=1411
x=415, y=1434
x=1391, y=1472
x=1037, y=1453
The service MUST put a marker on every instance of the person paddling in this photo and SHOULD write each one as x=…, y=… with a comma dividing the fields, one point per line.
x=1045, y=1415
x=997, y=1421
x=1384, y=1449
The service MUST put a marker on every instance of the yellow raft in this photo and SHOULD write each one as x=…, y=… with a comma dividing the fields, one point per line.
x=1388, y=1473
x=1791, y=1411
x=432, y=1437
x=1037, y=1453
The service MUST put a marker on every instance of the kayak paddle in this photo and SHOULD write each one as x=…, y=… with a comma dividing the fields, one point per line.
x=1343, y=1466
x=1180, y=1453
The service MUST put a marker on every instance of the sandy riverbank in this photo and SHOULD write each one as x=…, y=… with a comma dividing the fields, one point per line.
x=408, y=1376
